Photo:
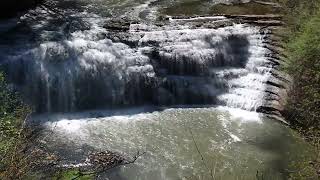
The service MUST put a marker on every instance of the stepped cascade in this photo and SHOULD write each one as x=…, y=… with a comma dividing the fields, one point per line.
x=192, y=91
x=174, y=64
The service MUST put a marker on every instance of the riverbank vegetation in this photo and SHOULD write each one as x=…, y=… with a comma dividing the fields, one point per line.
x=14, y=163
x=302, y=44
x=302, y=62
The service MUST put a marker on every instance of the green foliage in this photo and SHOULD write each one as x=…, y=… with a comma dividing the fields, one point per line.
x=12, y=114
x=302, y=44
x=11, y=110
x=303, y=64
x=298, y=12
x=73, y=174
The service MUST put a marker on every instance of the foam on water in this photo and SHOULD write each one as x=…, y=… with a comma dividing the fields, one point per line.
x=223, y=135
x=241, y=115
x=76, y=124
x=76, y=63
x=191, y=66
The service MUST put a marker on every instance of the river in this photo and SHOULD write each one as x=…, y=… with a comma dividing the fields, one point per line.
x=130, y=76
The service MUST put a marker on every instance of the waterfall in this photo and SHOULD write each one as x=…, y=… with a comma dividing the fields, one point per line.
x=92, y=67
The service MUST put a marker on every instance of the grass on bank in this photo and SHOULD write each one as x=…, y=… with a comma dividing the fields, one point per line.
x=14, y=163
x=303, y=64
x=302, y=47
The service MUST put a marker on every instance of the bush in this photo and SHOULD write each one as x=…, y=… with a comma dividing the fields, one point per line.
x=303, y=64
x=13, y=112
x=302, y=46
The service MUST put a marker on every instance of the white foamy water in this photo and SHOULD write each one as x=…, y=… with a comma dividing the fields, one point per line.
x=229, y=139
x=171, y=65
x=86, y=58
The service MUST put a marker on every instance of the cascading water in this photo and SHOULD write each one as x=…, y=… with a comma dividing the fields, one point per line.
x=164, y=67
x=145, y=72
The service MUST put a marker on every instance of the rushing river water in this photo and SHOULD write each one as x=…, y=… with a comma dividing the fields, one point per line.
x=181, y=90
x=235, y=144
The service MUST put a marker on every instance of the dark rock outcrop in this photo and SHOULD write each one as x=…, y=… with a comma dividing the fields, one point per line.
x=9, y=8
x=279, y=83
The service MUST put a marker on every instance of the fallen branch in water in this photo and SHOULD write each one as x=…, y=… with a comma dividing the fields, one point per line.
x=212, y=172
x=276, y=5
x=101, y=167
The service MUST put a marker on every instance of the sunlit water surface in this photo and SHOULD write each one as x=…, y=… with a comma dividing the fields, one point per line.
x=235, y=144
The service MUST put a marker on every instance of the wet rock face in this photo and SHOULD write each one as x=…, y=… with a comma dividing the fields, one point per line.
x=233, y=2
x=9, y=8
x=237, y=2
x=124, y=63
x=232, y=52
x=278, y=84
x=94, y=62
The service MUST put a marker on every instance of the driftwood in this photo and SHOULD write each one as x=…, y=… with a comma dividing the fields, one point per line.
x=243, y=16
x=265, y=23
x=212, y=172
x=104, y=161
x=259, y=20
x=278, y=119
x=276, y=5
x=254, y=17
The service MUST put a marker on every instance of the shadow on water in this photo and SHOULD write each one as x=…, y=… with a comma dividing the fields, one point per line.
x=275, y=140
